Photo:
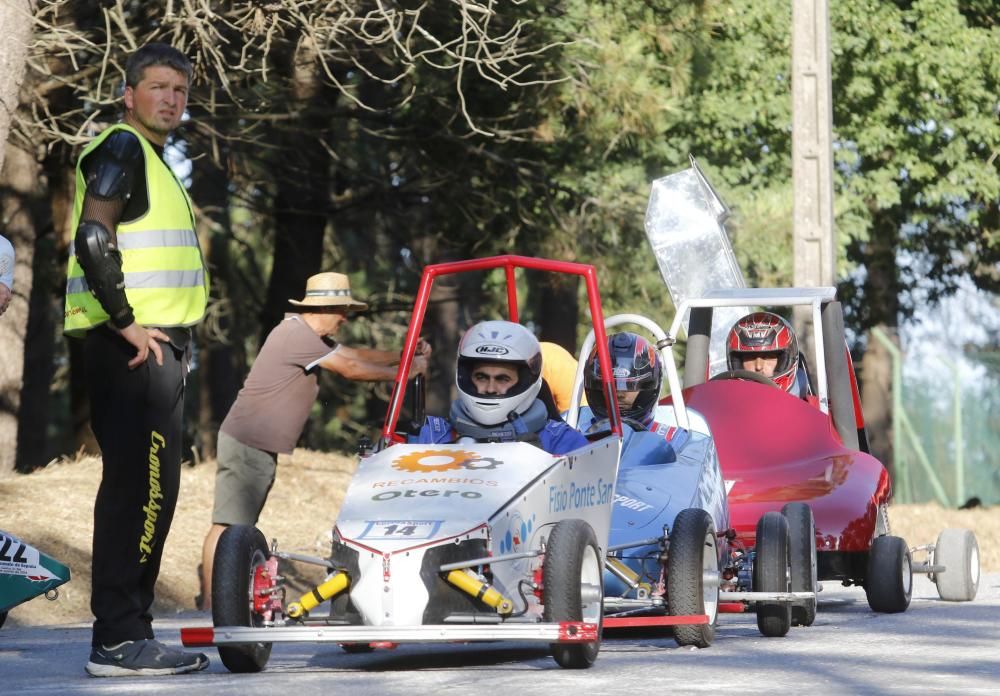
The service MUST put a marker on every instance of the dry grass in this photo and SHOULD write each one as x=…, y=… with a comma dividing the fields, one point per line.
x=53, y=510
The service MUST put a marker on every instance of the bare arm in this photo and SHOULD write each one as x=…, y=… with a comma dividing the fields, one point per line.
x=6, y=272
x=369, y=355
x=355, y=368
x=382, y=357
x=4, y=297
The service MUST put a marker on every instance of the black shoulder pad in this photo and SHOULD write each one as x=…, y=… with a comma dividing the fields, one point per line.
x=111, y=168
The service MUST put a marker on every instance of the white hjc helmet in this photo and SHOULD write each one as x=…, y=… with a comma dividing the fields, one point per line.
x=502, y=343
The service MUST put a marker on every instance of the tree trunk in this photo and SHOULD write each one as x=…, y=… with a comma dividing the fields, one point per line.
x=222, y=362
x=876, y=398
x=882, y=306
x=300, y=222
x=303, y=184
x=20, y=187
x=15, y=18
x=559, y=310
x=35, y=444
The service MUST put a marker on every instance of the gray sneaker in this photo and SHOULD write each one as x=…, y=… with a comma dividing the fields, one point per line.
x=142, y=657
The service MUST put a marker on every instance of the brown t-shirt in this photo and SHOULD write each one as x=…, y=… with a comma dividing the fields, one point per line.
x=274, y=403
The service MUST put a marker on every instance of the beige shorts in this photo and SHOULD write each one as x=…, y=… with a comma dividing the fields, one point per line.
x=242, y=481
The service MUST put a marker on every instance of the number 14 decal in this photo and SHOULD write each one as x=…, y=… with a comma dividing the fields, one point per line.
x=400, y=529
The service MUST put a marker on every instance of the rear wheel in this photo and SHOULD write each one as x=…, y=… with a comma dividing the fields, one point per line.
x=693, y=576
x=770, y=574
x=889, y=582
x=572, y=588
x=958, y=552
x=802, y=557
x=241, y=551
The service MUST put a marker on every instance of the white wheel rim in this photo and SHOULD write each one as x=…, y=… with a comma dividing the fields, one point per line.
x=974, y=565
x=710, y=578
x=590, y=586
x=906, y=574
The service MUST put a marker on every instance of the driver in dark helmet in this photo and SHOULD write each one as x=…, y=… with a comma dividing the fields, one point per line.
x=765, y=343
x=638, y=376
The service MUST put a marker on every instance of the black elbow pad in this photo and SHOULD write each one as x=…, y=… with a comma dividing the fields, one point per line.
x=102, y=266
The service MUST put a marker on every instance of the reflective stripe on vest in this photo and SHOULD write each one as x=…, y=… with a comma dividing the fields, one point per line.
x=152, y=239
x=148, y=280
x=165, y=278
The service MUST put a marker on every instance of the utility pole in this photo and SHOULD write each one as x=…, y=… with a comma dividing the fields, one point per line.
x=812, y=155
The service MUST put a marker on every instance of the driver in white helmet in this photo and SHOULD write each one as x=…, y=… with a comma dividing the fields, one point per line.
x=499, y=375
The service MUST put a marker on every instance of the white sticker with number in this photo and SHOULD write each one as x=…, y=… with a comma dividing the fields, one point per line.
x=400, y=529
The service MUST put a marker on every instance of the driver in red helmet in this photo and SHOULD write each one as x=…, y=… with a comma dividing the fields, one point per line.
x=765, y=343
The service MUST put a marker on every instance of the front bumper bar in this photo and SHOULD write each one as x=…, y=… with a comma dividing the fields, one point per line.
x=564, y=632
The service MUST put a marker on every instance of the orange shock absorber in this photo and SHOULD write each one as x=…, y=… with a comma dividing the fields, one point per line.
x=470, y=584
x=310, y=600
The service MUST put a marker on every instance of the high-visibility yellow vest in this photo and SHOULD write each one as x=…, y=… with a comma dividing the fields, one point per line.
x=165, y=277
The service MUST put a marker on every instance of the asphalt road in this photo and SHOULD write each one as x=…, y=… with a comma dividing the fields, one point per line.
x=935, y=647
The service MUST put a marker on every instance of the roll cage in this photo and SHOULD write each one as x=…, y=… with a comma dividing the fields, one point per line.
x=509, y=264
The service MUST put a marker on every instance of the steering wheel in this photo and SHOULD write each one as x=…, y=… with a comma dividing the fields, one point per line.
x=748, y=375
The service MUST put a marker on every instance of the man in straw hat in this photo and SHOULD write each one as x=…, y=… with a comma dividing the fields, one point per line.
x=271, y=409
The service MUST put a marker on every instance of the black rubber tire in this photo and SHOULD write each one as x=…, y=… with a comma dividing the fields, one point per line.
x=571, y=544
x=889, y=582
x=241, y=549
x=802, y=559
x=692, y=551
x=770, y=574
x=748, y=375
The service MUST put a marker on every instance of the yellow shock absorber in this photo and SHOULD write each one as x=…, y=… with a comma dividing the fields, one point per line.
x=470, y=584
x=629, y=575
x=310, y=600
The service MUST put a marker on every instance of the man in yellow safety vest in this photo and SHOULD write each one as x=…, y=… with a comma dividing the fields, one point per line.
x=136, y=284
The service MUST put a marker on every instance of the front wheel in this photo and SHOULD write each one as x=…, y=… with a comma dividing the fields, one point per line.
x=241, y=551
x=889, y=583
x=770, y=574
x=802, y=554
x=572, y=588
x=958, y=551
x=693, y=576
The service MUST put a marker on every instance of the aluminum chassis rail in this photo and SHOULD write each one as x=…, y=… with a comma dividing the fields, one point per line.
x=563, y=632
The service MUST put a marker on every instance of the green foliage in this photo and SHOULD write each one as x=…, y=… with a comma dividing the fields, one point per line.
x=917, y=119
x=429, y=163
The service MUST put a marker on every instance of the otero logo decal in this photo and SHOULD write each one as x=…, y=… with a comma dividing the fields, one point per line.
x=491, y=350
x=427, y=493
x=443, y=460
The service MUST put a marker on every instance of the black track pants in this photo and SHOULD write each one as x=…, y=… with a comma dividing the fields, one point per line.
x=136, y=416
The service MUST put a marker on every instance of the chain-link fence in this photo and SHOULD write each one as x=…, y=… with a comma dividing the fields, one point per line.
x=948, y=436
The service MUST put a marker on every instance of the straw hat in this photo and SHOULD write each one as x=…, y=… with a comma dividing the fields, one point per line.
x=329, y=290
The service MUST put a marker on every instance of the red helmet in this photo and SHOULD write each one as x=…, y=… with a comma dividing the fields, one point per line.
x=765, y=332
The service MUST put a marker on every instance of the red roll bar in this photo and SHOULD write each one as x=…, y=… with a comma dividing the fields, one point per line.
x=508, y=263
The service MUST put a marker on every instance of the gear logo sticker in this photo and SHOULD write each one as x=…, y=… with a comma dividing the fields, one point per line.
x=434, y=460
